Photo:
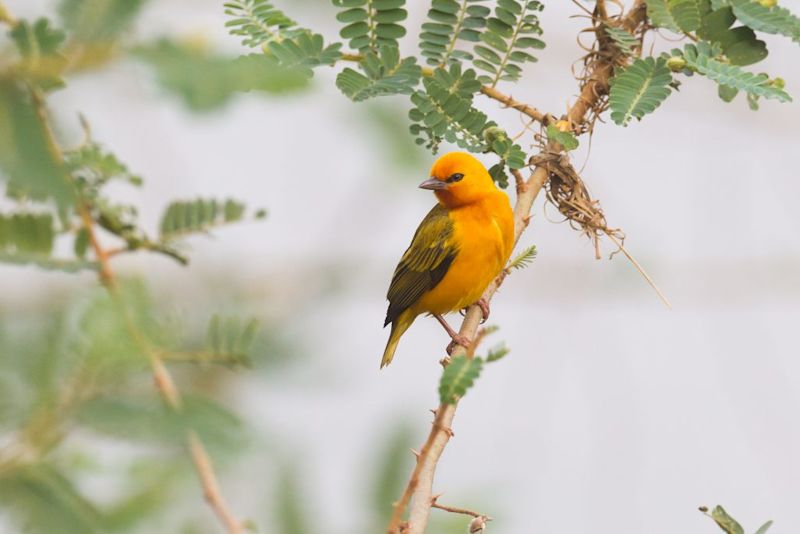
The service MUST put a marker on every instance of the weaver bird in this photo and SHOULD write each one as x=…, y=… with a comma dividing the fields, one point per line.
x=459, y=248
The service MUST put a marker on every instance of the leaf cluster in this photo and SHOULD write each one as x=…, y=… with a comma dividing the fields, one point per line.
x=448, y=23
x=512, y=31
x=371, y=24
x=384, y=74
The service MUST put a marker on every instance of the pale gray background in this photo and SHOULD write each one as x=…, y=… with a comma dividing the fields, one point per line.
x=611, y=414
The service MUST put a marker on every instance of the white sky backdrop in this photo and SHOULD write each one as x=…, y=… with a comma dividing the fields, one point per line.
x=611, y=414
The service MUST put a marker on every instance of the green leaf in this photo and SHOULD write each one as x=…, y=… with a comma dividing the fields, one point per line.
x=727, y=93
x=229, y=340
x=39, y=45
x=258, y=22
x=98, y=22
x=513, y=27
x=661, y=15
x=199, y=216
x=726, y=522
x=458, y=377
x=639, y=89
x=764, y=528
x=305, y=50
x=371, y=24
x=565, y=139
x=739, y=44
x=93, y=164
x=625, y=42
x=776, y=20
x=524, y=258
x=444, y=112
x=32, y=170
x=497, y=352
x=701, y=58
x=206, y=81
x=386, y=74
x=451, y=21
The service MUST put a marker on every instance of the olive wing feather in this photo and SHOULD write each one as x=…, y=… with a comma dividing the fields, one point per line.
x=424, y=264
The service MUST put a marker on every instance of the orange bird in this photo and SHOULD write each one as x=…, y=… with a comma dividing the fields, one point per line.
x=459, y=248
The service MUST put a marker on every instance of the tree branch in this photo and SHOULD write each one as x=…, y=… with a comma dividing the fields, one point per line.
x=420, y=485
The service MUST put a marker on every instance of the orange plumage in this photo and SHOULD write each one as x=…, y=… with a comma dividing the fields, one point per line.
x=459, y=248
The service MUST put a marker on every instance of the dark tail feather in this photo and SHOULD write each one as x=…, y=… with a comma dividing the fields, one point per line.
x=399, y=326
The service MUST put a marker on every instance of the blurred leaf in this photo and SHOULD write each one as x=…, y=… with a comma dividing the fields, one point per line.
x=764, y=528
x=229, y=341
x=497, y=352
x=147, y=419
x=93, y=163
x=205, y=81
x=726, y=522
x=394, y=463
x=727, y=93
x=43, y=501
x=199, y=216
x=388, y=123
x=458, y=377
x=38, y=44
x=291, y=512
x=259, y=22
x=624, y=40
x=27, y=162
x=98, y=21
x=739, y=44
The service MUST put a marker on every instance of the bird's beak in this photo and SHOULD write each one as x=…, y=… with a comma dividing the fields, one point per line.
x=433, y=184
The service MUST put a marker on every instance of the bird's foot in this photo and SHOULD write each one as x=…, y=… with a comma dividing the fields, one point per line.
x=458, y=339
x=484, y=306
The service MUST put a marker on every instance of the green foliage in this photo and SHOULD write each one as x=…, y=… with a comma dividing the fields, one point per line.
x=201, y=215
x=91, y=164
x=497, y=353
x=524, y=258
x=444, y=112
x=42, y=499
x=458, y=377
x=371, y=24
x=38, y=44
x=624, y=41
x=27, y=233
x=764, y=528
x=676, y=15
x=448, y=22
x=391, y=471
x=508, y=34
x=639, y=89
x=305, y=50
x=728, y=523
x=510, y=154
x=259, y=22
x=206, y=81
x=291, y=504
x=739, y=44
x=565, y=139
x=776, y=20
x=702, y=58
x=98, y=22
x=229, y=341
x=386, y=74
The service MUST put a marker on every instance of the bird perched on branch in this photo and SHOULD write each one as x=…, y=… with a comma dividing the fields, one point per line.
x=459, y=248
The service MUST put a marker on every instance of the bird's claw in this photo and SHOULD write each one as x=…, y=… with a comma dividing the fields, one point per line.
x=458, y=339
x=484, y=306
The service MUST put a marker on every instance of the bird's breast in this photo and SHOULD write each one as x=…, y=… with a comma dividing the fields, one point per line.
x=482, y=233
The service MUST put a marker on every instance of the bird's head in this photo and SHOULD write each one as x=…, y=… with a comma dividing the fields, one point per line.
x=457, y=178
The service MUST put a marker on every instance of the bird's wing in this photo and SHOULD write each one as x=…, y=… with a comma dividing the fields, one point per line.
x=424, y=264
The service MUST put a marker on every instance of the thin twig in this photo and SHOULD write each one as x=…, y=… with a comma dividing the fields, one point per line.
x=455, y=510
x=522, y=107
x=639, y=268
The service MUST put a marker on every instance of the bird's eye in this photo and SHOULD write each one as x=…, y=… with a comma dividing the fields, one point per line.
x=455, y=178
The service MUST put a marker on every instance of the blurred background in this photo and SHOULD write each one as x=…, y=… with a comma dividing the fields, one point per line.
x=610, y=414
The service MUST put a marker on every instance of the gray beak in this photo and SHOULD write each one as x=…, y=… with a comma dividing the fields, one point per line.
x=433, y=184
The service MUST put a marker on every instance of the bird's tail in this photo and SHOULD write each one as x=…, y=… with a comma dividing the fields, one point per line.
x=399, y=326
